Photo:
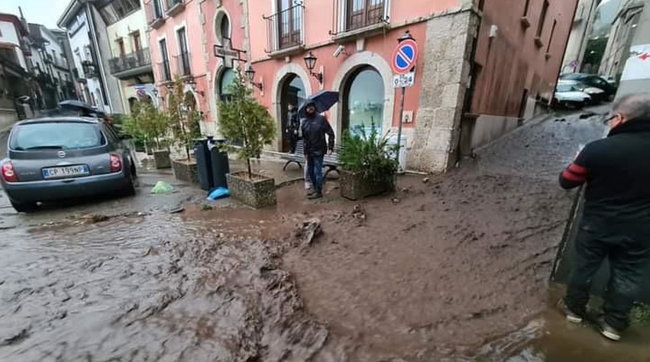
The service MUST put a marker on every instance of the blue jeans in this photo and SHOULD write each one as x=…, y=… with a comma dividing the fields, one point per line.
x=315, y=170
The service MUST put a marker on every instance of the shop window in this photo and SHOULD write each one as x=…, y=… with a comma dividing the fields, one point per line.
x=364, y=102
x=226, y=80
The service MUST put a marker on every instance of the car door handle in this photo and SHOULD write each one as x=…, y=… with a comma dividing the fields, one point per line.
x=68, y=181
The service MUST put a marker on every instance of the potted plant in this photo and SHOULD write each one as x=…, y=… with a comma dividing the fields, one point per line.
x=149, y=124
x=184, y=121
x=246, y=123
x=368, y=165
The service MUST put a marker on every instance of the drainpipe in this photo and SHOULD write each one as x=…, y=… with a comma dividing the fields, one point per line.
x=98, y=60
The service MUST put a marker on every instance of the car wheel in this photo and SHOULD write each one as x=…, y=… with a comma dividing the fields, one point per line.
x=129, y=190
x=24, y=206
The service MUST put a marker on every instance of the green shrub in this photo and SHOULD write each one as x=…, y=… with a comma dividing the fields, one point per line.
x=147, y=124
x=369, y=155
x=244, y=121
x=183, y=116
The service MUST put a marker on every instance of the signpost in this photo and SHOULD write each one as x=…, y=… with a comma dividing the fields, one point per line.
x=403, y=63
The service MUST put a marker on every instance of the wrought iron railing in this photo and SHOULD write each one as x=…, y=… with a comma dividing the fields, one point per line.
x=155, y=13
x=286, y=28
x=183, y=64
x=350, y=15
x=173, y=7
x=141, y=58
x=164, y=72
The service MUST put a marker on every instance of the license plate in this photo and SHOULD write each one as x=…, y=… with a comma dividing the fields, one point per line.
x=67, y=171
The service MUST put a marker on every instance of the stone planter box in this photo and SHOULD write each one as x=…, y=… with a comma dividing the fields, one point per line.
x=161, y=159
x=258, y=192
x=354, y=186
x=185, y=170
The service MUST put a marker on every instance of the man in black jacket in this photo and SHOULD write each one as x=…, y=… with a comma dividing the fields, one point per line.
x=616, y=218
x=314, y=129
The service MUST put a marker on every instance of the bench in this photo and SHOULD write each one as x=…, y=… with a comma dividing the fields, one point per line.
x=331, y=162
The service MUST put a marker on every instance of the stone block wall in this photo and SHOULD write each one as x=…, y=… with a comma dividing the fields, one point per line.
x=447, y=53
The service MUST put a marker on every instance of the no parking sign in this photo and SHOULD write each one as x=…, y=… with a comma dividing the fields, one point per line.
x=405, y=56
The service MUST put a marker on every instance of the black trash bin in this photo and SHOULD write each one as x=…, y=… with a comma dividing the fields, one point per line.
x=220, y=165
x=204, y=163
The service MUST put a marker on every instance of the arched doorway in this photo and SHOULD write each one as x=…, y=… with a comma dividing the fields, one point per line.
x=132, y=103
x=363, y=101
x=292, y=93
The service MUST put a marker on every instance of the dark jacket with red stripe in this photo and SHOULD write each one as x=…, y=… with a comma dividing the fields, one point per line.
x=616, y=170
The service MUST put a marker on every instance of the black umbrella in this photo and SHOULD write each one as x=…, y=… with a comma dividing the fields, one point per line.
x=84, y=109
x=323, y=101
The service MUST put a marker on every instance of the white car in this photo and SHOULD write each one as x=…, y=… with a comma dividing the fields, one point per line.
x=568, y=94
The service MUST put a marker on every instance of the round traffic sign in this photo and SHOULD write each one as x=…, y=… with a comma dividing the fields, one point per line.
x=405, y=56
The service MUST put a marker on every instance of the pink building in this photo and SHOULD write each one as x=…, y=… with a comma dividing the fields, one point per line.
x=182, y=37
x=350, y=44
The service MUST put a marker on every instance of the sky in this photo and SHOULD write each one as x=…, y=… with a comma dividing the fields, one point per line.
x=45, y=12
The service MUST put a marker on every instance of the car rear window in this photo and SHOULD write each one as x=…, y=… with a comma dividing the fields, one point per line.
x=56, y=135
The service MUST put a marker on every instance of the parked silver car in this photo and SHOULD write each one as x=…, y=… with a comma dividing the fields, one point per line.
x=57, y=158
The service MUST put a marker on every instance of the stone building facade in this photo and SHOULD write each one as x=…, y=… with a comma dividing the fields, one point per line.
x=484, y=65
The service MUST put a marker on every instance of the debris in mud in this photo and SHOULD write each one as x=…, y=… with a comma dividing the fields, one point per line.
x=395, y=200
x=148, y=251
x=308, y=231
x=95, y=218
x=177, y=210
x=206, y=207
x=359, y=214
x=16, y=338
x=425, y=180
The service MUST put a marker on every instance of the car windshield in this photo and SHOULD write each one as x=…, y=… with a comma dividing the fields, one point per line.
x=56, y=135
x=566, y=88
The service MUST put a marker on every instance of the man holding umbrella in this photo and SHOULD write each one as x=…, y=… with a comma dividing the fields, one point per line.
x=314, y=130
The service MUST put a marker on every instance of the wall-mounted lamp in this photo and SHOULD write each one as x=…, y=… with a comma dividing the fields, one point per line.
x=406, y=36
x=193, y=85
x=250, y=74
x=310, y=62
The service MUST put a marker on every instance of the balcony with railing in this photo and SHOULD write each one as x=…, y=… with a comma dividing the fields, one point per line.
x=183, y=64
x=286, y=30
x=155, y=14
x=174, y=7
x=164, y=72
x=131, y=64
x=356, y=17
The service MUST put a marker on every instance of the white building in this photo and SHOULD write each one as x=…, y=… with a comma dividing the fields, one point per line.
x=579, y=37
x=130, y=61
x=91, y=54
x=627, y=56
x=13, y=68
x=49, y=65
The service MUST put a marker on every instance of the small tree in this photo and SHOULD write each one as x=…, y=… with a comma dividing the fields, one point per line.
x=243, y=119
x=148, y=123
x=183, y=116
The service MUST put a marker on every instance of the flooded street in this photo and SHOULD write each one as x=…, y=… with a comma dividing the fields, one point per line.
x=452, y=269
x=148, y=288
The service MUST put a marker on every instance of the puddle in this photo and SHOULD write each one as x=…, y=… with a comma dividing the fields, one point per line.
x=549, y=337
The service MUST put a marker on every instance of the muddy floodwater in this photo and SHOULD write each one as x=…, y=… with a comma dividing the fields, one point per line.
x=449, y=268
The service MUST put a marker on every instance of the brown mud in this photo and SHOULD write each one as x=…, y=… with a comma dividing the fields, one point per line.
x=454, y=269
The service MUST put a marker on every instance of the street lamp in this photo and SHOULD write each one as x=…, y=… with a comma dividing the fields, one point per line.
x=405, y=36
x=250, y=74
x=310, y=62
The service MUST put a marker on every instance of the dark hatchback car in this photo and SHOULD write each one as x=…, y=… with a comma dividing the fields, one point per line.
x=59, y=158
x=593, y=81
